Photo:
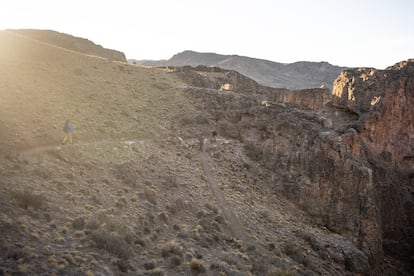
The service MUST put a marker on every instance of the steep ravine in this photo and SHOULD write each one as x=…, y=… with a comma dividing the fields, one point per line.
x=347, y=163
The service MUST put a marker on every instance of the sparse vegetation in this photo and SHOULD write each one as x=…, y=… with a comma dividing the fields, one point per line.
x=110, y=242
x=172, y=248
x=200, y=119
x=129, y=197
x=197, y=265
x=78, y=223
x=279, y=272
x=150, y=195
x=26, y=198
x=292, y=251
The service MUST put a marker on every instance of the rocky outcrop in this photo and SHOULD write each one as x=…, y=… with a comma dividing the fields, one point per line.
x=384, y=102
x=298, y=75
x=315, y=168
x=73, y=43
x=215, y=78
x=353, y=176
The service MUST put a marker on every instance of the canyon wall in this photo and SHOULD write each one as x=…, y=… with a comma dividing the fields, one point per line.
x=346, y=158
x=384, y=102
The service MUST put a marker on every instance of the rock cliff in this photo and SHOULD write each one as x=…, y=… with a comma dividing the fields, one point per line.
x=384, y=103
x=347, y=160
x=215, y=77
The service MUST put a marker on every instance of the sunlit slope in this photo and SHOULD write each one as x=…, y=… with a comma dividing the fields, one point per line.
x=42, y=85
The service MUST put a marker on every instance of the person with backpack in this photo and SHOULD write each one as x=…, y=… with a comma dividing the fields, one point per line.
x=201, y=141
x=68, y=130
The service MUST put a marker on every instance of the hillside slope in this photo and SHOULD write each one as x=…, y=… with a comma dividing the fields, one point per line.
x=70, y=42
x=134, y=195
x=298, y=75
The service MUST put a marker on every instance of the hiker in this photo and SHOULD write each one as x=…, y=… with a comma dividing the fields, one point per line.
x=213, y=138
x=68, y=130
x=201, y=140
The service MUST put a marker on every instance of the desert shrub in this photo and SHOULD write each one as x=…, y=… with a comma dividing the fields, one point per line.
x=174, y=261
x=78, y=223
x=163, y=217
x=279, y=272
x=126, y=233
x=197, y=265
x=186, y=121
x=149, y=265
x=231, y=259
x=258, y=267
x=293, y=252
x=93, y=224
x=201, y=120
x=121, y=230
x=221, y=267
x=171, y=248
x=110, y=242
x=156, y=272
x=26, y=198
x=310, y=239
x=290, y=250
x=253, y=151
x=150, y=195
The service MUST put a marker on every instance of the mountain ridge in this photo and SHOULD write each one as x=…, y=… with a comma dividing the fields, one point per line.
x=70, y=42
x=296, y=75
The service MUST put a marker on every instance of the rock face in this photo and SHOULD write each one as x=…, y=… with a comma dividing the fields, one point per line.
x=346, y=160
x=298, y=75
x=72, y=43
x=384, y=102
x=215, y=78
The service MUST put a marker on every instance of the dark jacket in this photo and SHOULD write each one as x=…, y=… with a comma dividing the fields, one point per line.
x=68, y=128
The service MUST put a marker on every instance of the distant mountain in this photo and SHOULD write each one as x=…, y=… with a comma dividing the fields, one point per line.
x=298, y=75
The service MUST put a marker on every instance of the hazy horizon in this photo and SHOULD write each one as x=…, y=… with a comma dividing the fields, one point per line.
x=355, y=34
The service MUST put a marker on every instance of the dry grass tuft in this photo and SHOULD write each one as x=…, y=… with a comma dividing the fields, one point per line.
x=79, y=234
x=156, y=272
x=279, y=272
x=89, y=273
x=111, y=243
x=34, y=235
x=60, y=239
x=150, y=195
x=24, y=268
x=197, y=265
x=64, y=229
x=172, y=248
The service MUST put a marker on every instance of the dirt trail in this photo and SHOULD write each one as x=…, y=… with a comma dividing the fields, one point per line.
x=39, y=149
x=235, y=227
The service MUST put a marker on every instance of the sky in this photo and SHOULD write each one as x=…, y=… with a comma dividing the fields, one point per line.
x=354, y=33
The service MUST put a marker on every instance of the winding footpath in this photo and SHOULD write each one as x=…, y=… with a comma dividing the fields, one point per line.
x=235, y=227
